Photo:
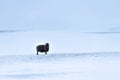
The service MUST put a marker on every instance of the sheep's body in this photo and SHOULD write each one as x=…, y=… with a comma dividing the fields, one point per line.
x=43, y=48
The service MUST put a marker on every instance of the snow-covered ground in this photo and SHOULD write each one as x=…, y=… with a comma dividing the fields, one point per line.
x=25, y=42
x=72, y=56
x=68, y=66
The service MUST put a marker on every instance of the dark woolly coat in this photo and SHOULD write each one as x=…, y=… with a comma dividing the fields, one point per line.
x=42, y=48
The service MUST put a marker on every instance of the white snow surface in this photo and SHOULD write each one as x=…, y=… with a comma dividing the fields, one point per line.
x=65, y=66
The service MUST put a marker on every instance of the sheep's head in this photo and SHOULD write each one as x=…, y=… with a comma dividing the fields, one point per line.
x=47, y=46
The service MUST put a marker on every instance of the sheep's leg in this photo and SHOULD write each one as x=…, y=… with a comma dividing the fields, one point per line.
x=37, y=52
x=45, y=52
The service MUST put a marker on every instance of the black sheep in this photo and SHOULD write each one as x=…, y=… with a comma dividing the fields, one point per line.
x=42, y=48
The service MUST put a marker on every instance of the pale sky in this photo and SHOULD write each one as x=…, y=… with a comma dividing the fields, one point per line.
x=82, y=15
